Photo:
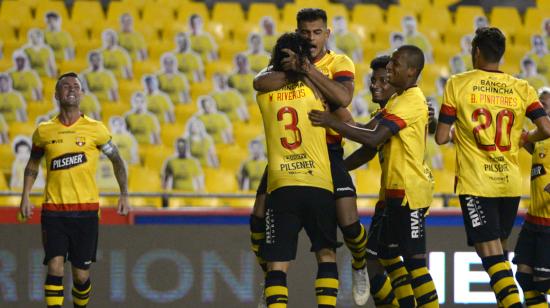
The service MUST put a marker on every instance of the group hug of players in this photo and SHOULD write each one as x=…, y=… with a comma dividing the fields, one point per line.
x=303, y=96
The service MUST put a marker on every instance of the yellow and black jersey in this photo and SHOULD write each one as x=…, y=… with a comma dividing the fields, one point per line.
x=71, y=154
x=488, y=110
x=539, y=209
x=297, y=151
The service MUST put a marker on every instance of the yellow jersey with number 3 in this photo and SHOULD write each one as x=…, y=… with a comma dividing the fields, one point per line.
x=297, y=151
x=488, y=109
x=539, y=209
x=71, y=154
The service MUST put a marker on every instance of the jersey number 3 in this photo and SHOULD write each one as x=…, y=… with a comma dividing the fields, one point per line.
x=292, y=126
x=501, y=140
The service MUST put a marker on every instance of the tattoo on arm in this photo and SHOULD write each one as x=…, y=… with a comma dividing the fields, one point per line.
x=119, y=167
x=31, y=172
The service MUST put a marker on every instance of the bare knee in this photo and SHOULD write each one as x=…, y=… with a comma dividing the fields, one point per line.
x=259, y=206
x=80, y=276
x=326, y=255
x=346, y=211
x=278, y=266
x=56, y=266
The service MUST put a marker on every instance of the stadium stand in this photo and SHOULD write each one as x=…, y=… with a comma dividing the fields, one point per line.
x=229, y=24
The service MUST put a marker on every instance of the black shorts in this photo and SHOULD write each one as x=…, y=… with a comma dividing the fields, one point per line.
x=375, y=248
x=342, y=181
x=533, y=249
x=403, y=229
x=75, y=239
x=487, y=219
x=343, y=184
x=290, y=208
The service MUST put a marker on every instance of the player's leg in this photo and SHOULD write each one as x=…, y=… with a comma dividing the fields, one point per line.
x=541, y=273
x=257, y=220
x=82, y=252
x=380, y=284
x=524, y=258
x=56, y=245
x=354, y=233
x=390, y=258
x=482, y=223
x=319, y=220
x=280, y=243
x=412, y=244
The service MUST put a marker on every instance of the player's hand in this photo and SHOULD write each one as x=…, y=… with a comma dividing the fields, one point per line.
x=25, y=208
x=452, y=134
x=547, y=188
x=431, y=112
x=524, y=140
x=321, y=118
x=290, y=63
x=123, y=205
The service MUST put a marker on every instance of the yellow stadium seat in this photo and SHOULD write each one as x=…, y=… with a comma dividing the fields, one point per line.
x=465, y=16
x=512, y=58
x=113, y=109
x=336, y=9
x=228, y=50
x=31, y=3
x=258, y=10
x=394, y=16
x=157, y=16
x=188, y=9
x=506, y=19
x=172, y=4
x=288, y=16
x=169, y=132
x=443, y=3
x=21, y=128
x=415, y=6
x=200, y=88
x=155, y=156
x=184, y=111
x=228, y=13
x=213, y=179
x=436, y=18
x=46, y=6
x=3, y=182
x=367, y=15
x=145, y=67
x=244, y=133
x=127, y=89
x=87, y=12
x=224, y=67
x=37, y=109
x=142, y=179
x=311, y=3
x=238, y=202
x=14, y=13
x=155, y=202
x=231, y=155
x=543, y=4
x=137, y=4
x=177, y=202
x=7, y=158
x=203, y=202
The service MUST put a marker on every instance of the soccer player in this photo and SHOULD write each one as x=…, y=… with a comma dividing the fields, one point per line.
x=189, y=62
x=25, y=79
x=268, y=33
x=40, y=55
x=251, y=171
x=12, y=104
x=229, y=100
x=345, y=40
x=124, y=140
x=529, y=73
x=98, y=80
x=413, y=37
x=532, y=254
x=131, y=40
x=407, y=182
x=242, y=79
x=157, y=102
x=171, y=81
x=71, y=144
x=201, y=143
x=201, y=41
x=257, y=56
x=487, y=108
x=299, y=181
x=217, y=123
x=540, y=54
x=115, y=58
x=142, y=123
x=333, y=75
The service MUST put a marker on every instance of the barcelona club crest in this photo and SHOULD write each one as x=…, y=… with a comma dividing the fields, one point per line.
x=80, y=141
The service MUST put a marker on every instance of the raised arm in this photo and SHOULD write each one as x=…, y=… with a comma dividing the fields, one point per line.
x=267, y=81
x=111, y=151
x=337, y=92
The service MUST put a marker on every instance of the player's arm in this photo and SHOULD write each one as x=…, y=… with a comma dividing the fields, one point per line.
x=30, y=174
x=359, y=157
x=369, y=137
x=445, y=130
x=337, y=92
x=268, y=80
x=541, y=132
x=111, y=151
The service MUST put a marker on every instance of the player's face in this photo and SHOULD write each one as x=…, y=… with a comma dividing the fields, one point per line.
x=410, y=26
x=256, y=149
x=126, y=22
x=52, y=23
x=317, y=33
x=23, y=151
x=256, y=43
x=208, y=106
x=181, y=147
x=380, y=87
x=36, y=38
x=95, y=60
x=139, y=103
x=268, y=27
x=182, y=42
x=117, y=125
x=397, y=70
x=20, y=63
x=545, y=100
x=69, y=92
x=169, y=65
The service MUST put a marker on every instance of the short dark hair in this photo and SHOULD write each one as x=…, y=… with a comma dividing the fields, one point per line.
x=415, y=57
x=69, y=74
x=491, y=43
x=52, y=14
x=293, y=41
x=527, y=61
x=21, y=143
x=311, y=14
x=379, y=62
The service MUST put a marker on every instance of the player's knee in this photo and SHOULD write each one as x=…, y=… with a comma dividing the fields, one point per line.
x=80, y=276
x=326, y=255
x=56, y=266
x=374, y=267
x=346, y=209
x=259, y=206
x=277, y=266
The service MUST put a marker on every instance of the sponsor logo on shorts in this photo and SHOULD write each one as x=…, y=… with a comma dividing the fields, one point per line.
x=475, y=212
x=68, y=161
x=345, y=189
x=542, y=269
x=417, y=220
x=269, y=227
x=372, y=252
x=87, y=262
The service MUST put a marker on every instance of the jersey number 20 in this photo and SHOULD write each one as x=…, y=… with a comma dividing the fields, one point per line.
x=292, y=126
x=501, y=139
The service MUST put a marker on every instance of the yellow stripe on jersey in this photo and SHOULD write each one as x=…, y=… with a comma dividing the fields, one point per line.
x=404, y=172
x=71, y=154
x=297, y=151
x=539, y=209
x=489, y=109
